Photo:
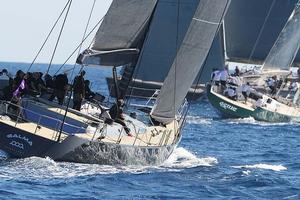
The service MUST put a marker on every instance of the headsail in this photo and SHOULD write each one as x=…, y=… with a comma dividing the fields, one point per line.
x=287, y=44
x=121, y=33
x=252, y=27
x=189, y=59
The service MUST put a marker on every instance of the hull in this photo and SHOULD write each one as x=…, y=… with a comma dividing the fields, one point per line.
x=21, y=144
x=113, y=154
x=231, y=109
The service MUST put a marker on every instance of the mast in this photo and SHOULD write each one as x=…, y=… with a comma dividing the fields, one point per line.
x=190, y=58
x=287, y=44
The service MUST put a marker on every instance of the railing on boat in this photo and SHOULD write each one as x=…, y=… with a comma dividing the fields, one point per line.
x=16, y=114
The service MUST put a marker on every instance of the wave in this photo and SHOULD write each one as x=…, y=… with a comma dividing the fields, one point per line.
x=251, y=120
x=3, y=155
x=198, y=120
x=262, y=166
x=182, y=158
x=45, y=168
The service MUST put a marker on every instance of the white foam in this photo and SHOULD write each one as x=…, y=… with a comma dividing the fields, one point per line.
x=198, y=120
x=262, y=166
x=251, y=120
x=248, y=120
x=247, y=172
x=182, y=158
x=41, y=168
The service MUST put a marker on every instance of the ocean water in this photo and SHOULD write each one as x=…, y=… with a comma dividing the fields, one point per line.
x=216, y=159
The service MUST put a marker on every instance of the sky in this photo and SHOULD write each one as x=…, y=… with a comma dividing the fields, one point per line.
x=26, y=23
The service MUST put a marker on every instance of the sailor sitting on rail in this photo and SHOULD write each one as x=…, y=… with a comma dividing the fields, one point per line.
x=230, y=92
x=224, y=76
x=259, y=103
x=234, y=81
x=215, y=77
x=294, y=86
x=116, y=113
x=272, y=84
x=246, y=89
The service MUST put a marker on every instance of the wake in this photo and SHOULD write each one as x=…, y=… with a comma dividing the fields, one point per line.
x=35, y=168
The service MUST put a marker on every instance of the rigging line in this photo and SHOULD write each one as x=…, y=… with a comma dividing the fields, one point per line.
x=69, y=100
x=205, y=61
x=44, y=43
x=138, y=64
x=261, y=31
x=204, y=21
x=87, y=25
x=176, y=62
x=82, y=66
x=137, y=61
x=79, y=45
x=59, y=36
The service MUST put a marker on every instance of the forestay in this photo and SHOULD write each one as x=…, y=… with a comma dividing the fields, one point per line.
x=121, y=33
x=287, y=44
x=189, y=59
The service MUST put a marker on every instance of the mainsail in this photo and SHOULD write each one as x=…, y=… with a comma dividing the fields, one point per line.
x=252, y=27
x=287, y=44
x=121, y=34
x=190, y=58
x=159, y=49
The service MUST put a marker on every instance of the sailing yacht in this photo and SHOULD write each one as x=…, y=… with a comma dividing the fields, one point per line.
x=72, y=136
x=263, y=106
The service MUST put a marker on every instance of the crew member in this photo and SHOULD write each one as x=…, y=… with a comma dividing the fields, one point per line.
x=116, y=113
x=78, y=91
x=246, y=90
x=60, y=88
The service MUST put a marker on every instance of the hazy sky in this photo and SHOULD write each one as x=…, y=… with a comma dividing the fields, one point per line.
x=26, y=23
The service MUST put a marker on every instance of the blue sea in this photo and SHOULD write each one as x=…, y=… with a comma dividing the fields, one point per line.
x=216, y=159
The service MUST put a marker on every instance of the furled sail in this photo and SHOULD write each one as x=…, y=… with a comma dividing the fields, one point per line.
x=252, y=27
x=121, y=33
x=190, y=58
x=287, y=44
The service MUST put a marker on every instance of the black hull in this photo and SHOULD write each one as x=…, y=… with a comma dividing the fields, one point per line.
x=22, y=144
x=114, y=154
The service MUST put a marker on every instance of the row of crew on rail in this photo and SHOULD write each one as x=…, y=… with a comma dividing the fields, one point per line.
x=35, y=84
x=232, y=85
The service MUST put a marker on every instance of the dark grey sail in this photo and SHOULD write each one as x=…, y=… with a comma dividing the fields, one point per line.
x=159, y=49
x=190, y=58
x=287, y=45
x=252, y=27
x=120, y=35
